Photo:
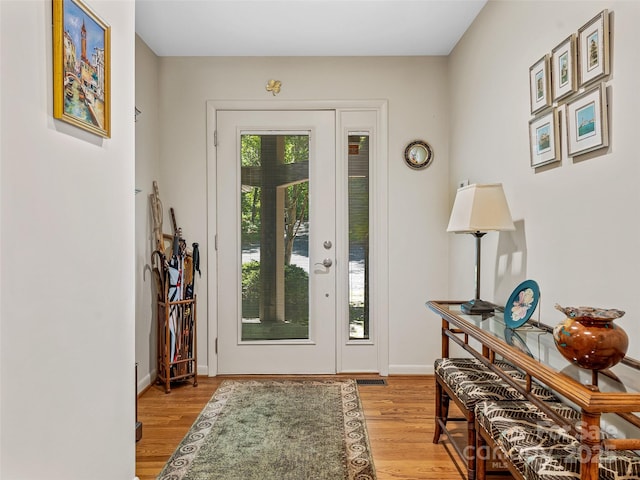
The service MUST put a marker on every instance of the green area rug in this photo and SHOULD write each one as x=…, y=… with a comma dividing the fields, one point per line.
x=277, y=430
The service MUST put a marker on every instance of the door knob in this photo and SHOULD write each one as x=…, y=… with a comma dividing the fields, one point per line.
x=327, y=262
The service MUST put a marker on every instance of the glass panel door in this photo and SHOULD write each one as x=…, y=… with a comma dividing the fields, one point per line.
x=276, y=223
x=358, y=194
x=274, y=236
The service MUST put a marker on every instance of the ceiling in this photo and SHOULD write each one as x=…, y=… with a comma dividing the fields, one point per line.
x=303, y=27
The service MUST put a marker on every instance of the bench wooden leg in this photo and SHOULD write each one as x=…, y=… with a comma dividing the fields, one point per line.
x=442, y=411
x=470, y=452
x=438, y=413
x=481, y=456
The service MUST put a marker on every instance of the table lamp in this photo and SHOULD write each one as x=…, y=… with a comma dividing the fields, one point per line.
x=479, y=209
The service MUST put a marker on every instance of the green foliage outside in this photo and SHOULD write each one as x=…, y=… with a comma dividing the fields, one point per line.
x=296, y=207
x=296, y=296
x=251, y=289
x=250, y=154
x=296, y=213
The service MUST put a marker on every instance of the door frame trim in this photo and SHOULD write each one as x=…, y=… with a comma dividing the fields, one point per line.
x=381, y=256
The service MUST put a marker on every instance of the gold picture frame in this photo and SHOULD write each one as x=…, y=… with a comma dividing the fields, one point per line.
x=539, y=87
x=593, y=49
x=544, y=138
x=563, y=68
x=587, y=126
x=81, y=67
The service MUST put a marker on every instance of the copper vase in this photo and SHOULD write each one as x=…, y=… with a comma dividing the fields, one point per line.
x=589, y=338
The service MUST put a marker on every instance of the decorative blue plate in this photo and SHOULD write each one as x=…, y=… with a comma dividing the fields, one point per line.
x=521, y=304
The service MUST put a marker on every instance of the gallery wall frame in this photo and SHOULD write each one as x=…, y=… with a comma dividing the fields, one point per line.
x=544, y=138
x=563, y=68
x=539, y=85
x=593, y=49
x=81, y=67
x=587, y=126
x=568, y=95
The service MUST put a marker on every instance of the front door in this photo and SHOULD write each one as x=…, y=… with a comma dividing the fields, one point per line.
x=276, y=242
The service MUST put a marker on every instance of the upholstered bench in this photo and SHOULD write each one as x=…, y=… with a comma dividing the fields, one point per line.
x=536, y=448
x=471, y=381
x=468, y=381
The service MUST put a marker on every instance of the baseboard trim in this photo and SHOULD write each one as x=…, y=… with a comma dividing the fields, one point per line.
x=360, y=372
x=410, y=369
x=145, y=382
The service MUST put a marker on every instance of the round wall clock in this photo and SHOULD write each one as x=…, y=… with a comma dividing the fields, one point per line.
x=418, y=154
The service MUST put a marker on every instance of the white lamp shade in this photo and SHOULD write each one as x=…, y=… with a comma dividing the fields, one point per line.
x=480, y=208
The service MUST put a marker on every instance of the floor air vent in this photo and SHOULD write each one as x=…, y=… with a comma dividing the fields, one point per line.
x=371, y=381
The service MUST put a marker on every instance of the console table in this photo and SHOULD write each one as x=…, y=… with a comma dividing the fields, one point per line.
x=610, y=397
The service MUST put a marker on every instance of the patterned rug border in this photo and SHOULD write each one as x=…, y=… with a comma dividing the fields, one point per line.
x=359, y=462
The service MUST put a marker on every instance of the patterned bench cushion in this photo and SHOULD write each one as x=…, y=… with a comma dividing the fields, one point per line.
x=518, y=426
x=540, y=449
x=549, y=464
x=472, y=382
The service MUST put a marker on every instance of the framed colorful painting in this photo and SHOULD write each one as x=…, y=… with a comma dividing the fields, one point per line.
x=544, y=139
x=593, y=49
x=539, y=85
x=563, y=68
x=587, y=121
x=81, y=67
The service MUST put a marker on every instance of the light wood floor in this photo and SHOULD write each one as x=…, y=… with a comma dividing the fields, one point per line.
x=399, y=415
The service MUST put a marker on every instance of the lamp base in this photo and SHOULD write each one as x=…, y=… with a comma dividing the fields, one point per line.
x=476, y=307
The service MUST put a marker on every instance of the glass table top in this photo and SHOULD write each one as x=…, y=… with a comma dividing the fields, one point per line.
x=536, y=340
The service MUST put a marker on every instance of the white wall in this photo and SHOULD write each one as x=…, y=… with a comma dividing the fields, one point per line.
x=1, y=249
x=577, y=231
x=416, y=88
x=67, y=271
x=473, y=107
x=147, y=170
